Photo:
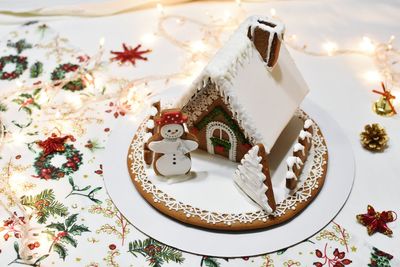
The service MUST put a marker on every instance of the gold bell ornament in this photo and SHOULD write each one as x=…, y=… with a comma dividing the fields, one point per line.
x=384, y=105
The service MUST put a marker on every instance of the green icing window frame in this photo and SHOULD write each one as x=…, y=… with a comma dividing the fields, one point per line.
x=218, y=110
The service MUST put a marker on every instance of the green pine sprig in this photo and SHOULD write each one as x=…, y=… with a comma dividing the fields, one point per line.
x=45, y=205
x=155, y=253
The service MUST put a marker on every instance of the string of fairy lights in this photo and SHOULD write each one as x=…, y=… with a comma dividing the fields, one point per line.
x=135, y=92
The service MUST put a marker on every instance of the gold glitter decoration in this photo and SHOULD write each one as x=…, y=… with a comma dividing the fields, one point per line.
x=374, y=137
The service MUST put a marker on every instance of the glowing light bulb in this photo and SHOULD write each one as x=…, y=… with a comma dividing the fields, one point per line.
x=272, y=11
x=18, y=139
x=43, y=98
x=75, y=101
x=330, y=48
x=18, y=83
x=198, y=46
x=227, y=16
x=16, y=182
x=102, y=41
x=160, y=8
x=373, y=76
x=148, y=38
x=367, y=45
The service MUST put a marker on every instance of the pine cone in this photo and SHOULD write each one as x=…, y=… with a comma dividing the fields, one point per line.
x=374, y=137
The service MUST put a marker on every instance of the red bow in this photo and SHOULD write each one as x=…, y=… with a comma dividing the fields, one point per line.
x=54, y=144
x=376, y=221
x=387, y=95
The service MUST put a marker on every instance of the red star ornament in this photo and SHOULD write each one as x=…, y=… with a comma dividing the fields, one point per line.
x=377, y=221
x=54, y=144
x=130, y=54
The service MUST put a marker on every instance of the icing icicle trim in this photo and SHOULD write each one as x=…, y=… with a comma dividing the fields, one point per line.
x=308, y=123
x=250, y=178
x=150, y=124
x=299, y=147
x=153, y=111
x=291, y=161
x=305, y=135
x=291, y=175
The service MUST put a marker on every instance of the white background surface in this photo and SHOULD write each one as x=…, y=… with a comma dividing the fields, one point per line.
x=336, y=83
x=319, y=213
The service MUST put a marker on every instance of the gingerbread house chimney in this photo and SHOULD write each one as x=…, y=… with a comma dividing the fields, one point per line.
x=267, y=36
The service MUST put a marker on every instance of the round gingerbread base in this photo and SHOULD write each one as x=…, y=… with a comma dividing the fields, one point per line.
x=204, y=212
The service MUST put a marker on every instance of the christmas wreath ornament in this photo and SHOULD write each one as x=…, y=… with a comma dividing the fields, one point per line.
x=60, y=73
x=374, y=137
x=377, y=221
x=51, y=147
x=21, y=64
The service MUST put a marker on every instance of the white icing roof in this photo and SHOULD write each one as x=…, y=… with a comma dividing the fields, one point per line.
x=262, y=101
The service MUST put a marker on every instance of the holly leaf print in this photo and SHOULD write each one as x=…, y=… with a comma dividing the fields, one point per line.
x=71, y=220
x=61, y=251
x=69, y=240
x=77, y=229
x=57, y=226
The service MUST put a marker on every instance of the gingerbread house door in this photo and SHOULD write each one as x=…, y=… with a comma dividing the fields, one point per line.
x=220, y=136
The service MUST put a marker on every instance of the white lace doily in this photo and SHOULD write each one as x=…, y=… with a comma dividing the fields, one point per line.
x=310, y=183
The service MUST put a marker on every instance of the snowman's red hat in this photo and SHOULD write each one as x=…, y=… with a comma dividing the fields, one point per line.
x=171, y=116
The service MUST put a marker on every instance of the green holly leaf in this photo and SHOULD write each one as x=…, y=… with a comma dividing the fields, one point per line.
x=71, y=220
x=69, y=240
x=58, y=226
x=77, y=229
x=61, y=250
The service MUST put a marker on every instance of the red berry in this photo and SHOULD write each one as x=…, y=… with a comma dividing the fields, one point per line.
x=336, y=252
x=31, y=246
x=37, y=244
x=318, y=264
x=341, y=255
x=318, y=253
x=246, y=258
x=346, y=261
x=338, y=264
x=112, y=246
x=6, y=237
x=99, y=172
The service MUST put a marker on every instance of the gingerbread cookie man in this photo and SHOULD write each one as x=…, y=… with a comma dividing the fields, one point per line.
x=172, y=144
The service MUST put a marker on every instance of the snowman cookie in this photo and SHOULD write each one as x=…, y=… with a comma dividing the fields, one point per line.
x=171, y=144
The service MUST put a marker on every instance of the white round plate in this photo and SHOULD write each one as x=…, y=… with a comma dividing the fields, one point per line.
x=144, y=217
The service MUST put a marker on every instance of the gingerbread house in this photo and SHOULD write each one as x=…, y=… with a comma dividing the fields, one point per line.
x=247, y=94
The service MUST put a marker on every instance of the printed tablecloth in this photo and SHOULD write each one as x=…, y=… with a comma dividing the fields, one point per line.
x=59, y=103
